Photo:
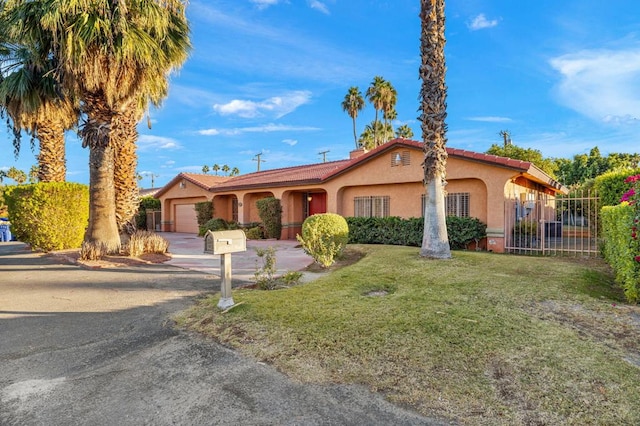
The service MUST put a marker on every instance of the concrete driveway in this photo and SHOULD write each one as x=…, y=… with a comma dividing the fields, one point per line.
x=97, y=347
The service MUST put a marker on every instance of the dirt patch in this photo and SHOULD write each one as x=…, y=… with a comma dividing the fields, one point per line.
x=349, y=257
x=113, y=261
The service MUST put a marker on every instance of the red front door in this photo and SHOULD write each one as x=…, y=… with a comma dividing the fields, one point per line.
x=318, y=203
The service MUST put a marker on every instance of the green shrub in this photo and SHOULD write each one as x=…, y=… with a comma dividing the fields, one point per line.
x=610, y=186
x=49, y=215
x=270, y=211
x=254, y=233
x=463, y=230
x=324, y=237
x=204, y=212
x=215, y=224
x=620, y=248
x=408, y=232
x=146, y=203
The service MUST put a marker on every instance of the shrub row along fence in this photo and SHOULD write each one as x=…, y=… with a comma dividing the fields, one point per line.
x=463, y=232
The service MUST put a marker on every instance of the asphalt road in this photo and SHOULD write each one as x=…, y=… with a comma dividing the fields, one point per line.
x=97, y=347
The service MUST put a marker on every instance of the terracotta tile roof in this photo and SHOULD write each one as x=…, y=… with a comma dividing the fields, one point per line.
x=321, y=172
x=297, y=175
x=202, y=180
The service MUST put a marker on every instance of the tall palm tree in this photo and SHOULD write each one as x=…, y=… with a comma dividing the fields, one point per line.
x=33, y=99
x=404, y=132
x=215, y=168
x=375, y=134
x=375, y=96
x=352, y=104
x=389, y=98
x=433, y=95
x=225, y=169
x=112, y=54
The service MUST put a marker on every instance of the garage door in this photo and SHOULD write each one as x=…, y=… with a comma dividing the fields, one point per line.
x=186, y=220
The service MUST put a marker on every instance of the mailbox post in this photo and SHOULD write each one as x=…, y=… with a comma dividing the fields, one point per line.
x=224, y=243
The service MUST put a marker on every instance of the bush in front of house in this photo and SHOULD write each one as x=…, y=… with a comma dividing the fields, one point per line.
x=462, y=231
x=146, y=203
x=49, y=215
x=620, y=249
x=254, y=233
x=216, y=224
x=204, y=212
x=408, y=232
x=324, y=237
x=270, y=211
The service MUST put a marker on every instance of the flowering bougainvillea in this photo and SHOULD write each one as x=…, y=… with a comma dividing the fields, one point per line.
x=632, y=196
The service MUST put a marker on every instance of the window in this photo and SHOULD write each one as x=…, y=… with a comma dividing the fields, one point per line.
x=400, y=158
x=374, y=206
x=456, y=204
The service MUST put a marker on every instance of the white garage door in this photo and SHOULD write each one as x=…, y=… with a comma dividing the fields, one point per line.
x=186, y=220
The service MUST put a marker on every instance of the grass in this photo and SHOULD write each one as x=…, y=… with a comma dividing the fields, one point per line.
x=482, y=339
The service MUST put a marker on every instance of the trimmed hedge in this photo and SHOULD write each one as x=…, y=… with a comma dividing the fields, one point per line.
x=408, y=232
x=324, y=237
x=270, y=211
x=146, y=203
x=610, y=186
x=49, y=215
x=204, y=212
x=620, y=248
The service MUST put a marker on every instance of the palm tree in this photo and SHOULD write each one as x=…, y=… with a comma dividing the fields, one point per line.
x=225, y=169
x=215, y=168
x=352, y=104
x=234, y=172
x=33, y=99
x=389, y=98
x=433, y=94
x=375, y=134
x=205, y=169
x=404, y=132
x=113, y=55
x=375, y=96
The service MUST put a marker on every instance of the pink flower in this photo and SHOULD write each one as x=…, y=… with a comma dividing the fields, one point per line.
x=637, y=258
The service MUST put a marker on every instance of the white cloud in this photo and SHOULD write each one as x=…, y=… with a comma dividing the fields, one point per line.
x=267, y=128
x=290, y=142
x=603, y=85
x=150, y=142
x=491, y=119
x=319, y=6
x=276, y=106
x=481, y=22
x=263, y=4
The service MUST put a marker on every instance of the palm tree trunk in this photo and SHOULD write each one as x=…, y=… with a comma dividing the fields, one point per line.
x=124, y=135
x=51, y=159
x=355, y=137
x=435, y=242
x=102, y=231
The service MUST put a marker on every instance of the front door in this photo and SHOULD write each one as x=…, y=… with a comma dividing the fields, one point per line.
x=317, y=203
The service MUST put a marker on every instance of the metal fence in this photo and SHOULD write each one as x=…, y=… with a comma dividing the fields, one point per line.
x=541, y=224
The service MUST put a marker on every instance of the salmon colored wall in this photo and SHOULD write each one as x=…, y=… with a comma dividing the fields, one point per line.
x=190, y=194
x=488, y=185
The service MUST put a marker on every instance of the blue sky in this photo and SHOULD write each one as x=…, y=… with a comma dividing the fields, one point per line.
x=268, y=76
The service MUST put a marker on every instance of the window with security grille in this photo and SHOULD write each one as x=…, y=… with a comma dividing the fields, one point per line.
x=372, y=206
x=456, y=204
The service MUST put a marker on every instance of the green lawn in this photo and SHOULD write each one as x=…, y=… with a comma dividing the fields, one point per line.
x=481, y=338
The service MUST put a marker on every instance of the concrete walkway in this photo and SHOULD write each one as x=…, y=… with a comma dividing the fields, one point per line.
x=187, y=251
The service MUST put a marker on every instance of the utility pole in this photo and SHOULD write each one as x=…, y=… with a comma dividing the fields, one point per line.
x=506, y=136
x=258, y=159
x=153, y=178
x=324, y=155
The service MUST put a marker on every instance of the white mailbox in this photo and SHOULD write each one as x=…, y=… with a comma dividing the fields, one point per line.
x=223, y=242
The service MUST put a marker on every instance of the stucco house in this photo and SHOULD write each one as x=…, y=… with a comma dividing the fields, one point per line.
x=386, y=181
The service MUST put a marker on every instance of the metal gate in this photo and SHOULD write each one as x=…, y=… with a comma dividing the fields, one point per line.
x=541, y=224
